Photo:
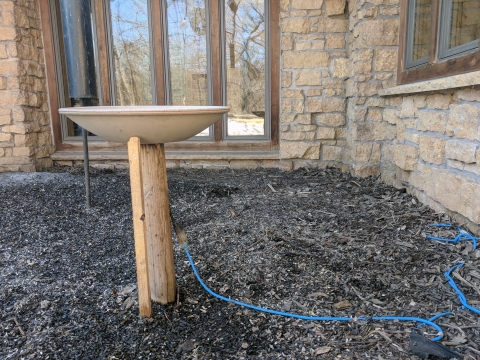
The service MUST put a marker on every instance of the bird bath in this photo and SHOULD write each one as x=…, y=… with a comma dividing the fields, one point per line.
x=146, y=129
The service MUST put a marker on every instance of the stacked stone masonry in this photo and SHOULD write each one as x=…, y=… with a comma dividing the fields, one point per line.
x=437, y=147
x=25, y=132
x=427, y=142
x=337, y=58
x=315, y=68
x=372, y=51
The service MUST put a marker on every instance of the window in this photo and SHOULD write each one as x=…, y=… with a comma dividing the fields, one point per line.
x=245, y=45
x=459, y=28
x=438, y=38
x=130, y=52
x=180, y=52
x=418, y=33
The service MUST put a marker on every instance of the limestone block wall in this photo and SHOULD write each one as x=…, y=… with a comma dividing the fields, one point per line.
x=25, y=133
x=436, y=152
x=427, y=141
x=373, y=58
x=314, y=68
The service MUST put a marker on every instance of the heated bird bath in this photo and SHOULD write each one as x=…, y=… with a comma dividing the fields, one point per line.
x=146, y=129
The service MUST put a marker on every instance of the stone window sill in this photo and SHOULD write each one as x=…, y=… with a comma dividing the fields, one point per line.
x=170, y=155
x=449, y=82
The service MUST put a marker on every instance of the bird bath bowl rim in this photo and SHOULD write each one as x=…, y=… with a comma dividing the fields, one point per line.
x=152, y=124
x=143, y=110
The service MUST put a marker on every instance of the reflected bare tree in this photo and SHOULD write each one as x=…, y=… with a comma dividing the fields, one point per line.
x=187, y=46
x=131, y=51
x=245, y=37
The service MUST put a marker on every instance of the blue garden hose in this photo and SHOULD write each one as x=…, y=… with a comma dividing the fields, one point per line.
x=462, y=236
x=440, y=315
x=311, y=318
x=461, y=297
x=435, y=317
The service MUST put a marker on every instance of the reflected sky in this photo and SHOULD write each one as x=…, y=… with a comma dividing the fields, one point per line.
x=187, y=46
x=131, y=51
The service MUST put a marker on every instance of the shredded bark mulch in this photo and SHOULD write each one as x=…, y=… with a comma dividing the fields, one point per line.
x=309, y=242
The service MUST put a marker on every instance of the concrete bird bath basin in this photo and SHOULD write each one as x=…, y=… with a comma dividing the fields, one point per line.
x=152, y=124
x=145, y=129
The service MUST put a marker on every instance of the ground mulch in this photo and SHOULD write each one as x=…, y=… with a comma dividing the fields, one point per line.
x=311, y=242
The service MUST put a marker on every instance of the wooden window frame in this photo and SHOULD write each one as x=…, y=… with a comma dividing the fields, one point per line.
x=219, y=142
x=435, y=68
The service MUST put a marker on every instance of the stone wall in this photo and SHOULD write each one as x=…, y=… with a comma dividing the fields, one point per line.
x=436, y=152
x=373, y=58
x=427, y=141
x=314, y=68
x=25, y=133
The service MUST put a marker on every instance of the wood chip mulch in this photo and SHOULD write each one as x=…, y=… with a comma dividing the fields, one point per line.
x=310, y=242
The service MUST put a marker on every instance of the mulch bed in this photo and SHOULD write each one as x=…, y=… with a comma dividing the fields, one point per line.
x=310, y=242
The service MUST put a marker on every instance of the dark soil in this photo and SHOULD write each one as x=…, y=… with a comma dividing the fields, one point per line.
x=316, y=242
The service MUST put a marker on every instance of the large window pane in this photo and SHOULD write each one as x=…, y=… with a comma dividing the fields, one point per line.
x=131, y=52
x=465, y=22
x=187, y=47
x=245, y=55
x=421, y=32
x=73, y=91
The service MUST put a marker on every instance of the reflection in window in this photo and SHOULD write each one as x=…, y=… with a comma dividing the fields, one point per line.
x=78, y=79
x=187, y=48
x=421, y=33
x=245, y=64
x=465, y=22
x=131, y=52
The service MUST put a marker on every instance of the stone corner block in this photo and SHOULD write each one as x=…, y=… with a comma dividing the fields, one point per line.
x=363, y=171
x=341, y=68
x=377, y=32
x=461, y=150
x=463, y=121
x=305, y=60
x=365, y=131
x=323, y=105
x=331, y=153
x=325, y=133
x=335, y=7
x=300, y=26
x=432, y=149
x=406, y=156
x=307, y=4
x=386, y=60
x=299, y=150
x=432, y=121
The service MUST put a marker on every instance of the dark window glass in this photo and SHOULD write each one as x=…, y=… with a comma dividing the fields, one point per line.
x=465, y=22
x=421, y=32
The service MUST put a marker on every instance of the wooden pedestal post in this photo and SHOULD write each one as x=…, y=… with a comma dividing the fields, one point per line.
x=157, y=218
x=139, y=230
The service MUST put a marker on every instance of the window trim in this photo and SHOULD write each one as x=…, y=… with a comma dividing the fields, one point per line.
x=435, y=68
x=104, y=71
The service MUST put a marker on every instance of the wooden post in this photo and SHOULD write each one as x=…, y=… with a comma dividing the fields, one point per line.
x=157, y=217
x=139, y=229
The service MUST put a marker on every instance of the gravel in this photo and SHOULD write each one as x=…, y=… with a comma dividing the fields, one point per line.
x=310, y=242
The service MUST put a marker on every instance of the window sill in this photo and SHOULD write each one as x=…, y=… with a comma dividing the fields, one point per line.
x=450, y=82
x=170, y=155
